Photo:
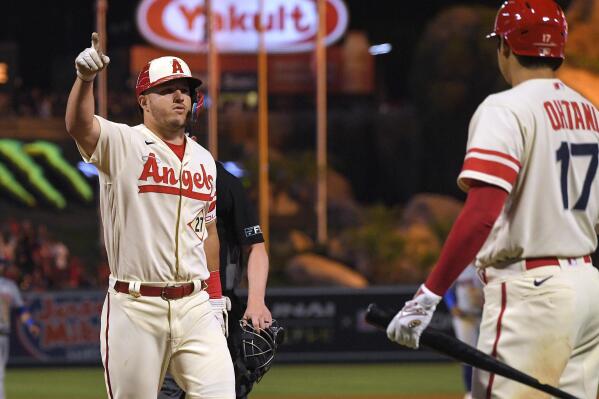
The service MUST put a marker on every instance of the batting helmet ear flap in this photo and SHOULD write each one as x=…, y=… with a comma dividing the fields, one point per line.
x=198, y=104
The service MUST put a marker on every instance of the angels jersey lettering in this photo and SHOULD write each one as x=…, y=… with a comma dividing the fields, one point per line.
x=154, y=206
x=545, y=134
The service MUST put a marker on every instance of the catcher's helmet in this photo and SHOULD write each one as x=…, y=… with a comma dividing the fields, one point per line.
x=535, y=28
x=260, y=346
x=164, y=69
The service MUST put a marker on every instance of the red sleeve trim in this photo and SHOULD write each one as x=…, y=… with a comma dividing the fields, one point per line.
x=497, y=154
x=493, y=168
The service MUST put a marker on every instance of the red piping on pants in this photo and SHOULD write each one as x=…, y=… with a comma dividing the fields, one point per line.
x=106, y=361
x=498, y=334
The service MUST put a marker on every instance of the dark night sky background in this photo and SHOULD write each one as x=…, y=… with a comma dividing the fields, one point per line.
x=48, y=29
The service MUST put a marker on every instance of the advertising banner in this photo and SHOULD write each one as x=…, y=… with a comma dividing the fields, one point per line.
x=70, y=329
x=327, y=325
x=289, y=25
x=322, y=325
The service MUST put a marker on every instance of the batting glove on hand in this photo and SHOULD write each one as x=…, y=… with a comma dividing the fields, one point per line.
x=220, y=308
x=91, y=60
x=409, y=323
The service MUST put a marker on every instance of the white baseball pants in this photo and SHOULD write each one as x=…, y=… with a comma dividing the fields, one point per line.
x=544, y=322
x=141, y=338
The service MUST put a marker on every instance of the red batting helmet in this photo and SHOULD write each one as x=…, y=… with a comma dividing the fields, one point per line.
x=162, y=70
x=535, y=28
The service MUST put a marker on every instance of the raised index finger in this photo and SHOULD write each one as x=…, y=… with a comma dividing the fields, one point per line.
x=96, y=41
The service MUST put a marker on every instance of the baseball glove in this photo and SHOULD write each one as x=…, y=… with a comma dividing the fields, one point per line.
x=259, y=347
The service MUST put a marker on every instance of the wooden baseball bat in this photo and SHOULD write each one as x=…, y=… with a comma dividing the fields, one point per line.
x=465, y=353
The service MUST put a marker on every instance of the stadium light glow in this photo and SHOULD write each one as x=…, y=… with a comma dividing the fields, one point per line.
x=379, y=49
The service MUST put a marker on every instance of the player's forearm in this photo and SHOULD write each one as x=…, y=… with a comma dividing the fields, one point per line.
x=257, y=273
x=79, y=117
x=212, y=248
x=467, y=236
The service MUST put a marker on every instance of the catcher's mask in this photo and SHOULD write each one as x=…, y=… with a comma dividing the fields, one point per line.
x=260, y=346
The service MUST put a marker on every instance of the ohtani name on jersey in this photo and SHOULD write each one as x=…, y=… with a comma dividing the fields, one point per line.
x=571, y=115
x=168, y=182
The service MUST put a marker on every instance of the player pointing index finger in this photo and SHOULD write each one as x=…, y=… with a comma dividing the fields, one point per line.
x=96, y=46
x=530, y=218
x=95, y=41
x=164, y=306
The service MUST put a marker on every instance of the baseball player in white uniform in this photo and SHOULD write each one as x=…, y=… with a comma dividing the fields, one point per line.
x=530, y=218
x=158, y=206
x=10, y=297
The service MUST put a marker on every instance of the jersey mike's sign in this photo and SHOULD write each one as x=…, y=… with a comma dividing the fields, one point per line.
x=289, y=25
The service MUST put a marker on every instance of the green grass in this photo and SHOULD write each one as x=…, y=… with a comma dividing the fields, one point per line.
x=281, y=381
x=343, y=380
x=51, y=383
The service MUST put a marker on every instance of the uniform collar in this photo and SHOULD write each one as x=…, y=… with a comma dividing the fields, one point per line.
x=160, y=142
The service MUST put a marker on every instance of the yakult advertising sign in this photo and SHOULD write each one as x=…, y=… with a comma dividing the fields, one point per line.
x=290, y=25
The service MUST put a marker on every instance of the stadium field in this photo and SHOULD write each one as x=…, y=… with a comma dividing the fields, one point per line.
x=365, y=381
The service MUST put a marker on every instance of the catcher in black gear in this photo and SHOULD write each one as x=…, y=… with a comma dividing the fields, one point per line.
x=238, y=230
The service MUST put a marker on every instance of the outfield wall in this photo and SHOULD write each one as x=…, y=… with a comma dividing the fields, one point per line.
x=323, y=325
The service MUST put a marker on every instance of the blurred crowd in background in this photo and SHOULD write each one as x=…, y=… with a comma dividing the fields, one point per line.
x=36, y=261
x=33, y=103
x=38, y=103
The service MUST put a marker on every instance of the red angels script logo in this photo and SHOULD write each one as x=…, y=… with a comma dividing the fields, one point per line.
x=164, y=180
x=289, y=25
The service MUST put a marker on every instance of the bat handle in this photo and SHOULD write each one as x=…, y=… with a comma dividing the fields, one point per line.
x=378, y=317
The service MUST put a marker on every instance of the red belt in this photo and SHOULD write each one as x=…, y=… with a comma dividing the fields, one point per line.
x=533, y=263
x=167, y=292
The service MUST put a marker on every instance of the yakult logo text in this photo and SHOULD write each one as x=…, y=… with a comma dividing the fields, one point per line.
x=167, y=182
x=289, y=25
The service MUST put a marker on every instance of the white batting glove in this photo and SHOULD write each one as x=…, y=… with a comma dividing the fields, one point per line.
x=409, y=323
x=220, y=308
x=91, y=60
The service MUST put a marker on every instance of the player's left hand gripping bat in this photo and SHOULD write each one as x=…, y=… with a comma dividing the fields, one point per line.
x=463, y=352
